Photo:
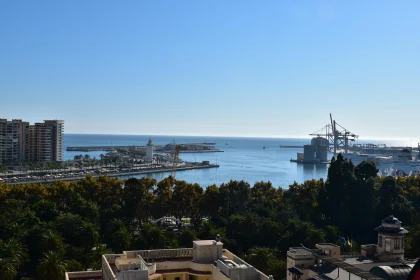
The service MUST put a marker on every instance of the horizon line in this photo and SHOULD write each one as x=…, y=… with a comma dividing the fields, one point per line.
x=246, y=136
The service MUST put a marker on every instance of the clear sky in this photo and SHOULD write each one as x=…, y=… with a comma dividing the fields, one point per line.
x=216, y=67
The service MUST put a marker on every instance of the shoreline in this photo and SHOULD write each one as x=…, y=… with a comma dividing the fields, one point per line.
x=119, y=174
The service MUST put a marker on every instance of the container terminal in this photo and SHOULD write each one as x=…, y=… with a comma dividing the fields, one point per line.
x=334, y=138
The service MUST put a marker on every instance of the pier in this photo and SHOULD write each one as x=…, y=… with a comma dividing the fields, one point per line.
x=292, y=147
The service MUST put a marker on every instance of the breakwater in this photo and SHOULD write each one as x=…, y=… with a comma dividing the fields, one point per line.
x=185, y=148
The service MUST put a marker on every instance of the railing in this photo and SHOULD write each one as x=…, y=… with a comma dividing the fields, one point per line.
x=152, y=269
x=253, y=271
x=346, y=255
x=165, y=254
x=110, y=258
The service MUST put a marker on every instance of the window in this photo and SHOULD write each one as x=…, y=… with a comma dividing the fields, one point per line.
x=177, y=278
x=192, y=277
x=396, y=243
x=387, y=244
x=380, y=241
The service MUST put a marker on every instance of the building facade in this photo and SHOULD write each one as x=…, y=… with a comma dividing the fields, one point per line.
x=206, y=260
x=22, y=142
x=149, y=151
x=57, y=130
x=383, y=260
x=13, y=140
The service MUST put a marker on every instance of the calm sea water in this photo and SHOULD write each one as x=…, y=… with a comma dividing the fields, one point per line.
x=242, y=159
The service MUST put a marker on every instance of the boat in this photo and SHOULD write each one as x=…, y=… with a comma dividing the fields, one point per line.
x=396, y=164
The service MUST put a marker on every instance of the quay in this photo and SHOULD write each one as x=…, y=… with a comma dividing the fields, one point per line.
x=186, y=148
x=118, y=174
x=300, y=147
x=309, y=161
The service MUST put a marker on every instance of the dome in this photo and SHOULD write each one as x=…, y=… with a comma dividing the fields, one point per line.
x=394, y=272
x=391, y=220
x=391, y=225
x=149, y=143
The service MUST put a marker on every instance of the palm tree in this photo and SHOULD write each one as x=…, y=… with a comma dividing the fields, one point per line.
x=15, y=251
x=94, y=258
x=8, y=269
x=53, y=241
x=52, y=266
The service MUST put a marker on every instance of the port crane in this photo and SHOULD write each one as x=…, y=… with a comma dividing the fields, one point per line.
x=338, y=136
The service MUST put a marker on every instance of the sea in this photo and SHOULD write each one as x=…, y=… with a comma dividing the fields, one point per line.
x=242, y=158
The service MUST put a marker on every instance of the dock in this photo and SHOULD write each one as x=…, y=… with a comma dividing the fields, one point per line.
x=292, y=147
x=309, y=162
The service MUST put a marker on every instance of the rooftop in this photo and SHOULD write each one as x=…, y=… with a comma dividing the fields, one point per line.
x=326, y=245
x=207, y=242
x=300, y=251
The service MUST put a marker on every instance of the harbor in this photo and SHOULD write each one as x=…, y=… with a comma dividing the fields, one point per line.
x=333, y=138
x=75, y=175
x=185, y=148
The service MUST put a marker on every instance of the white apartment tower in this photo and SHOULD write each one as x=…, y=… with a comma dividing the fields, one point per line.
x=57, y=129
x=149, y=150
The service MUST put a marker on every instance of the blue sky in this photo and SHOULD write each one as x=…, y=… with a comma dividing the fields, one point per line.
x=240, y=68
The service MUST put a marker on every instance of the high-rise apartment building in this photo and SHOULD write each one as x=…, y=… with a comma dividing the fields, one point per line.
x=57, y=129
x=13, y=140
x=20, y=142
x=40, y=143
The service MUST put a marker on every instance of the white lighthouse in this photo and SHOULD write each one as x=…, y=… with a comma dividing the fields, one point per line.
x=149, y=150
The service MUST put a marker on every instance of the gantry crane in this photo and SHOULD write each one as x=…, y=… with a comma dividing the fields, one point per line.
x=337, y=136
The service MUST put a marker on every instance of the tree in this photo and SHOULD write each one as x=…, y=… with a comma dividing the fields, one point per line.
x=14, y=251
x=235, y=197
x=186, y=199
x=51, y=241
x=94, y=258
x=392, y=201
x=362, y=201
x=265, y=259
x=74, y=265
x=304, y=197
x=334, y=199
x=210, y=204
x=366, y=170
x=154, y=237
x=163, y=193
x=86, y=157
x=138, y=198
x=8, y=269
x=52, y=266
x=186, y=238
